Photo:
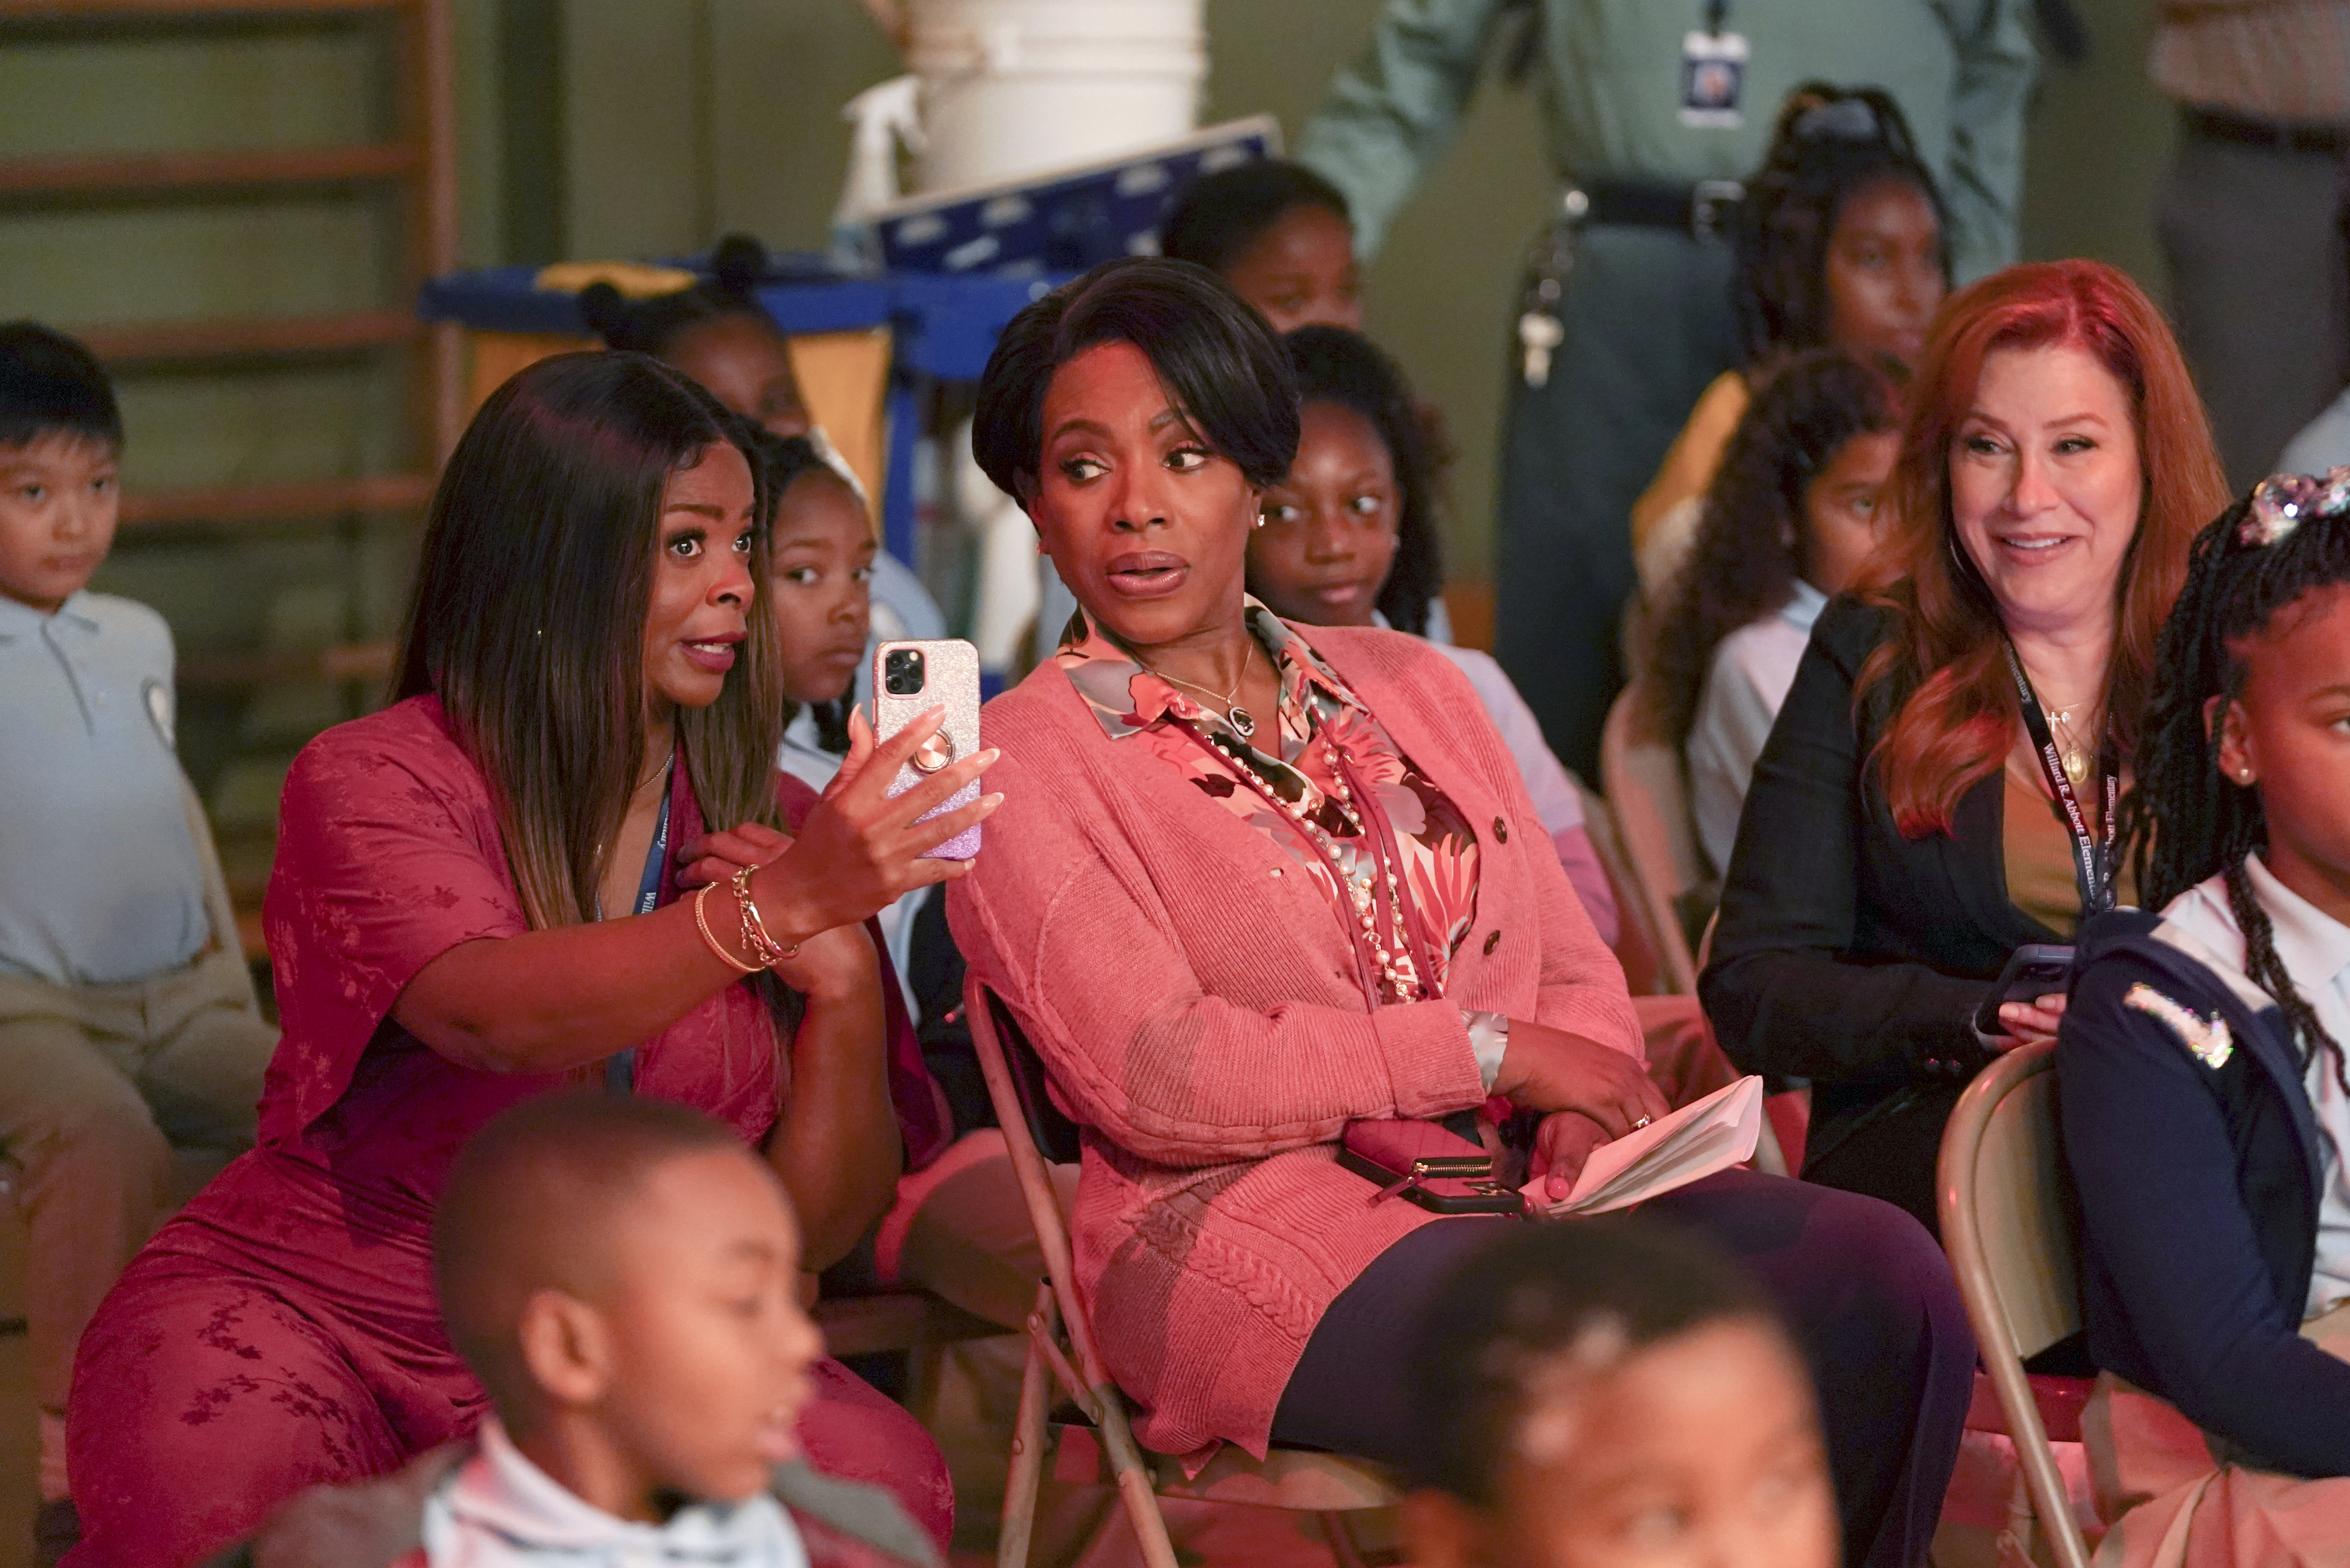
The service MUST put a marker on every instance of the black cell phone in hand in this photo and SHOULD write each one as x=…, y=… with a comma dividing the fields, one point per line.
x=2034, y=971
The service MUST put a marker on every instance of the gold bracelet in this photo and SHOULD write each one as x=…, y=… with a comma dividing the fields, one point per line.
x=715, y=945
x=754, y=930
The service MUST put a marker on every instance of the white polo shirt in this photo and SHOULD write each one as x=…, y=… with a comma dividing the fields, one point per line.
x=99, y=879
x=2316, y=951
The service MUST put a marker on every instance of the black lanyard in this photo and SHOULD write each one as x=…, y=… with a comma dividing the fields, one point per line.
x=621, y=1066
x=2092, y=859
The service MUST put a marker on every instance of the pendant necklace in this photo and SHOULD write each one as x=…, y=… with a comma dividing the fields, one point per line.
x=2075, y=754
x=1237, y=719
x=2072, y=754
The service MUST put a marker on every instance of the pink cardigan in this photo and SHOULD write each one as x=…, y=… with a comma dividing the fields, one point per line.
x=1198, y=1006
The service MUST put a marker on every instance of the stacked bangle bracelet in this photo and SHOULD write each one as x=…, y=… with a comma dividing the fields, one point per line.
x=701, y=920
x=753, y=932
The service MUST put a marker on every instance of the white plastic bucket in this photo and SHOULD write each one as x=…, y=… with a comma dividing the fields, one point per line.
x=1011, y=87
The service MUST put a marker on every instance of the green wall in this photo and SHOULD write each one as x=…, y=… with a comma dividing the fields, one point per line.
x=655, y=166
x=622, y=128
x=646, y=127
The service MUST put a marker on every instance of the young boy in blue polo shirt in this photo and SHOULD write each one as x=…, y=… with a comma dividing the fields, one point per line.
x=128, y=1022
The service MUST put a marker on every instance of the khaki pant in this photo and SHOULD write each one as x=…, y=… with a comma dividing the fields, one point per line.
x=97, y=1084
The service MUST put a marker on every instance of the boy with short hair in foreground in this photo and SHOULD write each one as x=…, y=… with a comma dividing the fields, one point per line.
x=1606, y=1392
x=623, y=1275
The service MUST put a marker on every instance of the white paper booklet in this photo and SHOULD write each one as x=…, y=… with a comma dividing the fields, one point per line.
x=1701, y=1138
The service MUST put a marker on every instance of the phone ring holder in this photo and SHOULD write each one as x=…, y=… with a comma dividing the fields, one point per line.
x=934, y=754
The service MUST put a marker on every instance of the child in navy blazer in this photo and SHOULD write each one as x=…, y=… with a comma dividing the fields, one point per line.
x=2204, y=1096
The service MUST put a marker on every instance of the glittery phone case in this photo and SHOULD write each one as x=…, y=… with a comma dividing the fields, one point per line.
x=951, y=671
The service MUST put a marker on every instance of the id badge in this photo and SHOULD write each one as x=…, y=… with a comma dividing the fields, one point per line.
x=1713, y=80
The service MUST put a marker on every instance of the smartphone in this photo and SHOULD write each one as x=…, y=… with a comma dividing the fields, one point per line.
x=2034, y=971
x=910, y=679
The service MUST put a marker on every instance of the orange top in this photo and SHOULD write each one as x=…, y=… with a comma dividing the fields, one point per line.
x=1695, y=453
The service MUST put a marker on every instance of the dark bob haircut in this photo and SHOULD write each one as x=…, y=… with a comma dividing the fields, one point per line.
x=1218, y=358
x=51, y=384
x=1600, y=1290
x=1218, y=217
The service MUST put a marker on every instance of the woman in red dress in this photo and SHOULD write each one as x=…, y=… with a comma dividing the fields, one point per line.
x=476, y=900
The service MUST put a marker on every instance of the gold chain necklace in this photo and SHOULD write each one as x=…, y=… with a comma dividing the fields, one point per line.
x=1237, y=719
x=2070, y=746
x=661, y=768
x=666, y=763
x=2073, y=754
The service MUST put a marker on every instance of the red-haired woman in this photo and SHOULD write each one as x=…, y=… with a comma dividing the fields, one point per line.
x=1939, y=787
x=478, y=898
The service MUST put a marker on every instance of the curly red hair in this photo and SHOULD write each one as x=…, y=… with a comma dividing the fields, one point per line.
x=1958, y=717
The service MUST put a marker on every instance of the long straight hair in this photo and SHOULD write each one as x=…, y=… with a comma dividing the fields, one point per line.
x=1956, y=715
x=528, y=617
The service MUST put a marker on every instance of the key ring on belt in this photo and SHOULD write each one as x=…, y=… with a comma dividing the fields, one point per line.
x=1540, y=330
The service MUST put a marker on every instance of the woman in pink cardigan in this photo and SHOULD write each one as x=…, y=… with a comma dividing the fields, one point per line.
x=1251, y=881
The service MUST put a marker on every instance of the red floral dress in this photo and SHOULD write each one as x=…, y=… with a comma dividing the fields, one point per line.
x=282, y=1329
x=1438, y=853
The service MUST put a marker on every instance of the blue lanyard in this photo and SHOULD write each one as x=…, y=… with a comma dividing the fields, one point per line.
x=621, y=1066
x=648, y=884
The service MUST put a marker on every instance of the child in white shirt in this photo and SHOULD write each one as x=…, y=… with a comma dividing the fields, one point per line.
x=623, y=1275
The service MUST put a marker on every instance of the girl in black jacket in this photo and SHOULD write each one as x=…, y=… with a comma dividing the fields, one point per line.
x=2204, y=1098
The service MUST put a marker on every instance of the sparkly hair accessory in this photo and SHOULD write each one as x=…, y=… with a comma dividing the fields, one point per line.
x=2286, y=501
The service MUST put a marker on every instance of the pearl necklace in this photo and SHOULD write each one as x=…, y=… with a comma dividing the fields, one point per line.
x=1391, y=948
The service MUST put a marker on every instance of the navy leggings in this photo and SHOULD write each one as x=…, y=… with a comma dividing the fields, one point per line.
x=1863, y=1287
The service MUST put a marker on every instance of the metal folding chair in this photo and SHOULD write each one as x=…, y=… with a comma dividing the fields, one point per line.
x=2012, y=1233
x=1090, y=1439
x=1642, y=778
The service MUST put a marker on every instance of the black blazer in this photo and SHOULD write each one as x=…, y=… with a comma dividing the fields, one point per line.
x=1847, y=954
x=2198, y=1185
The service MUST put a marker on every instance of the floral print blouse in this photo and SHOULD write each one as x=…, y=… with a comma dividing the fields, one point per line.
x=1437, y=850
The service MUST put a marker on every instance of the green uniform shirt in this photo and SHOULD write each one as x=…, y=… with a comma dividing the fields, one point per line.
x=1609, y=79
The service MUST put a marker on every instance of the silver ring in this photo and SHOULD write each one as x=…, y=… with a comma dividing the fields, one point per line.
x=1638, y=1125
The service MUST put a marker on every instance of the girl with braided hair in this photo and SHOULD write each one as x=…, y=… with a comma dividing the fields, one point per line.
x=2200, y=1058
